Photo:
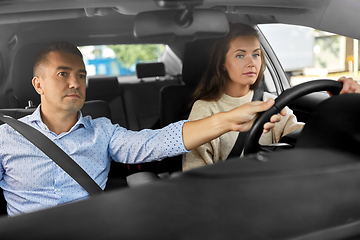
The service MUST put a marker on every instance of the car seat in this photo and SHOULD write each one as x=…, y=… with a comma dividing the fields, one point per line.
x=150, y=70
x=175, y=99
x=141, y=99
x=22, y=74
x=108, y=89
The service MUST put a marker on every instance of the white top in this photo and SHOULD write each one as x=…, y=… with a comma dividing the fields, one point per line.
x=219, y=148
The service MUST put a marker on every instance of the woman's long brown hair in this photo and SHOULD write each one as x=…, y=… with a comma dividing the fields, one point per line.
x=214, y=80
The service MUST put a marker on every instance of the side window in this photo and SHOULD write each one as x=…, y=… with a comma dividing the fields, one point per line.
x=307, y=54
x=269, y=82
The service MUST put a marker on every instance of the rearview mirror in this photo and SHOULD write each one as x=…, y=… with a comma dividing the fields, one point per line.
x=170, y=25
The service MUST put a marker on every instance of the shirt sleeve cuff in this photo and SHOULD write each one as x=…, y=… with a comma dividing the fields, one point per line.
x=174, y=142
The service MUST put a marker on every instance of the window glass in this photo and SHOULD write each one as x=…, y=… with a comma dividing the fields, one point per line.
x=269, y=82
x=308, y=54
x=121, y=60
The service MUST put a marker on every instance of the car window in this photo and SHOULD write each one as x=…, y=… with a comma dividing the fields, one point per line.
x=307, y=54
x=120, y=60
x=269, y=82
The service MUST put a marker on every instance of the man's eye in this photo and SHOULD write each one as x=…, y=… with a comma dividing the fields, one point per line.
x=62, y=74
x=82, y=76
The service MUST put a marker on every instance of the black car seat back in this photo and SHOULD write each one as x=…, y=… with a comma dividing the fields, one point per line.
x=22, y=74
x=141, y=99
x=109, y=90
x=175, y=100
x=150, y=70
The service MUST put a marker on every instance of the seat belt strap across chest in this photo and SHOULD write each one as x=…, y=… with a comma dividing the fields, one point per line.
x=55, y=153
x=240, y=141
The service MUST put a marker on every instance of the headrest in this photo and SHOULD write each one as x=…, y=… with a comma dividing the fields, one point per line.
x=156, y=70
x=196, y=60
x=98, y=87
x=22, y=74
x=96, y=109
x=334, y=124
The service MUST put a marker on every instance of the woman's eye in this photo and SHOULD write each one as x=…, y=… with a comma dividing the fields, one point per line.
x=240, y=56
x=256, y=55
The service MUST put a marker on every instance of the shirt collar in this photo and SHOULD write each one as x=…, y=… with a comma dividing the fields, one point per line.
x=36, y=117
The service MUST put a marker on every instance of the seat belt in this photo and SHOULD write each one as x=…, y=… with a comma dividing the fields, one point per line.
x=55, y=153
x=240, y=141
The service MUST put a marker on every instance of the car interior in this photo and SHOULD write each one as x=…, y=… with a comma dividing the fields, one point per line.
x=155, y=98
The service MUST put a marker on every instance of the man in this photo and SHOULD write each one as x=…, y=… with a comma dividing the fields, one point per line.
x=31, y=181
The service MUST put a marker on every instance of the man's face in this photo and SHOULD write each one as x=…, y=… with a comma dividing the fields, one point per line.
x=61, y=82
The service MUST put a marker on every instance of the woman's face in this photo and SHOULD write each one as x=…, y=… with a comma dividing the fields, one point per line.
x=243, y=63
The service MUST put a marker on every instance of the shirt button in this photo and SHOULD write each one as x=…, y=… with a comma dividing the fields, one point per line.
x=59, y=190
x=43, y=127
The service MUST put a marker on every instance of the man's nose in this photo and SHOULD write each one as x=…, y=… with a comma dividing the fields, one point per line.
x=74, y=82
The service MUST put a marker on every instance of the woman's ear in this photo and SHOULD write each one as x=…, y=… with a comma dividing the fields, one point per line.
x=37, y=85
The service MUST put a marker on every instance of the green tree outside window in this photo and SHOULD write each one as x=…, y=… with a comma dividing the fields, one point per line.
x=133, y=53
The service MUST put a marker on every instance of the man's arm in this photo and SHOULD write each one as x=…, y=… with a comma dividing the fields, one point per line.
x=196, y=133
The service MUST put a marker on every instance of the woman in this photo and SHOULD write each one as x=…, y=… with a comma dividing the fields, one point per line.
x=235, y=70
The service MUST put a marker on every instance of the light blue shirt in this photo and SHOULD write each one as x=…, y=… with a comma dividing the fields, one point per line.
x=31, y=181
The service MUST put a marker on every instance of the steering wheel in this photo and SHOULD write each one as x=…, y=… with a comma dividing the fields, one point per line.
x=252, y=141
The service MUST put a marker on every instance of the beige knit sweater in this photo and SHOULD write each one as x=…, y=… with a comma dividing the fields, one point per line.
x=219, y=148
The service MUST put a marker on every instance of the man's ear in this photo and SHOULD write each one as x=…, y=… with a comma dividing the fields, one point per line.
x=37, y=85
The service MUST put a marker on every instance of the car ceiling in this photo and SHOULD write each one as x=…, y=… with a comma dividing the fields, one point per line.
x=96, y=22
x=104, y=18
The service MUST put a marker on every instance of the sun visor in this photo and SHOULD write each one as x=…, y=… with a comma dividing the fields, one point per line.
x=171, y=25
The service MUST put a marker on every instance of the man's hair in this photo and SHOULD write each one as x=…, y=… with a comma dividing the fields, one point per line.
x=57, y=46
